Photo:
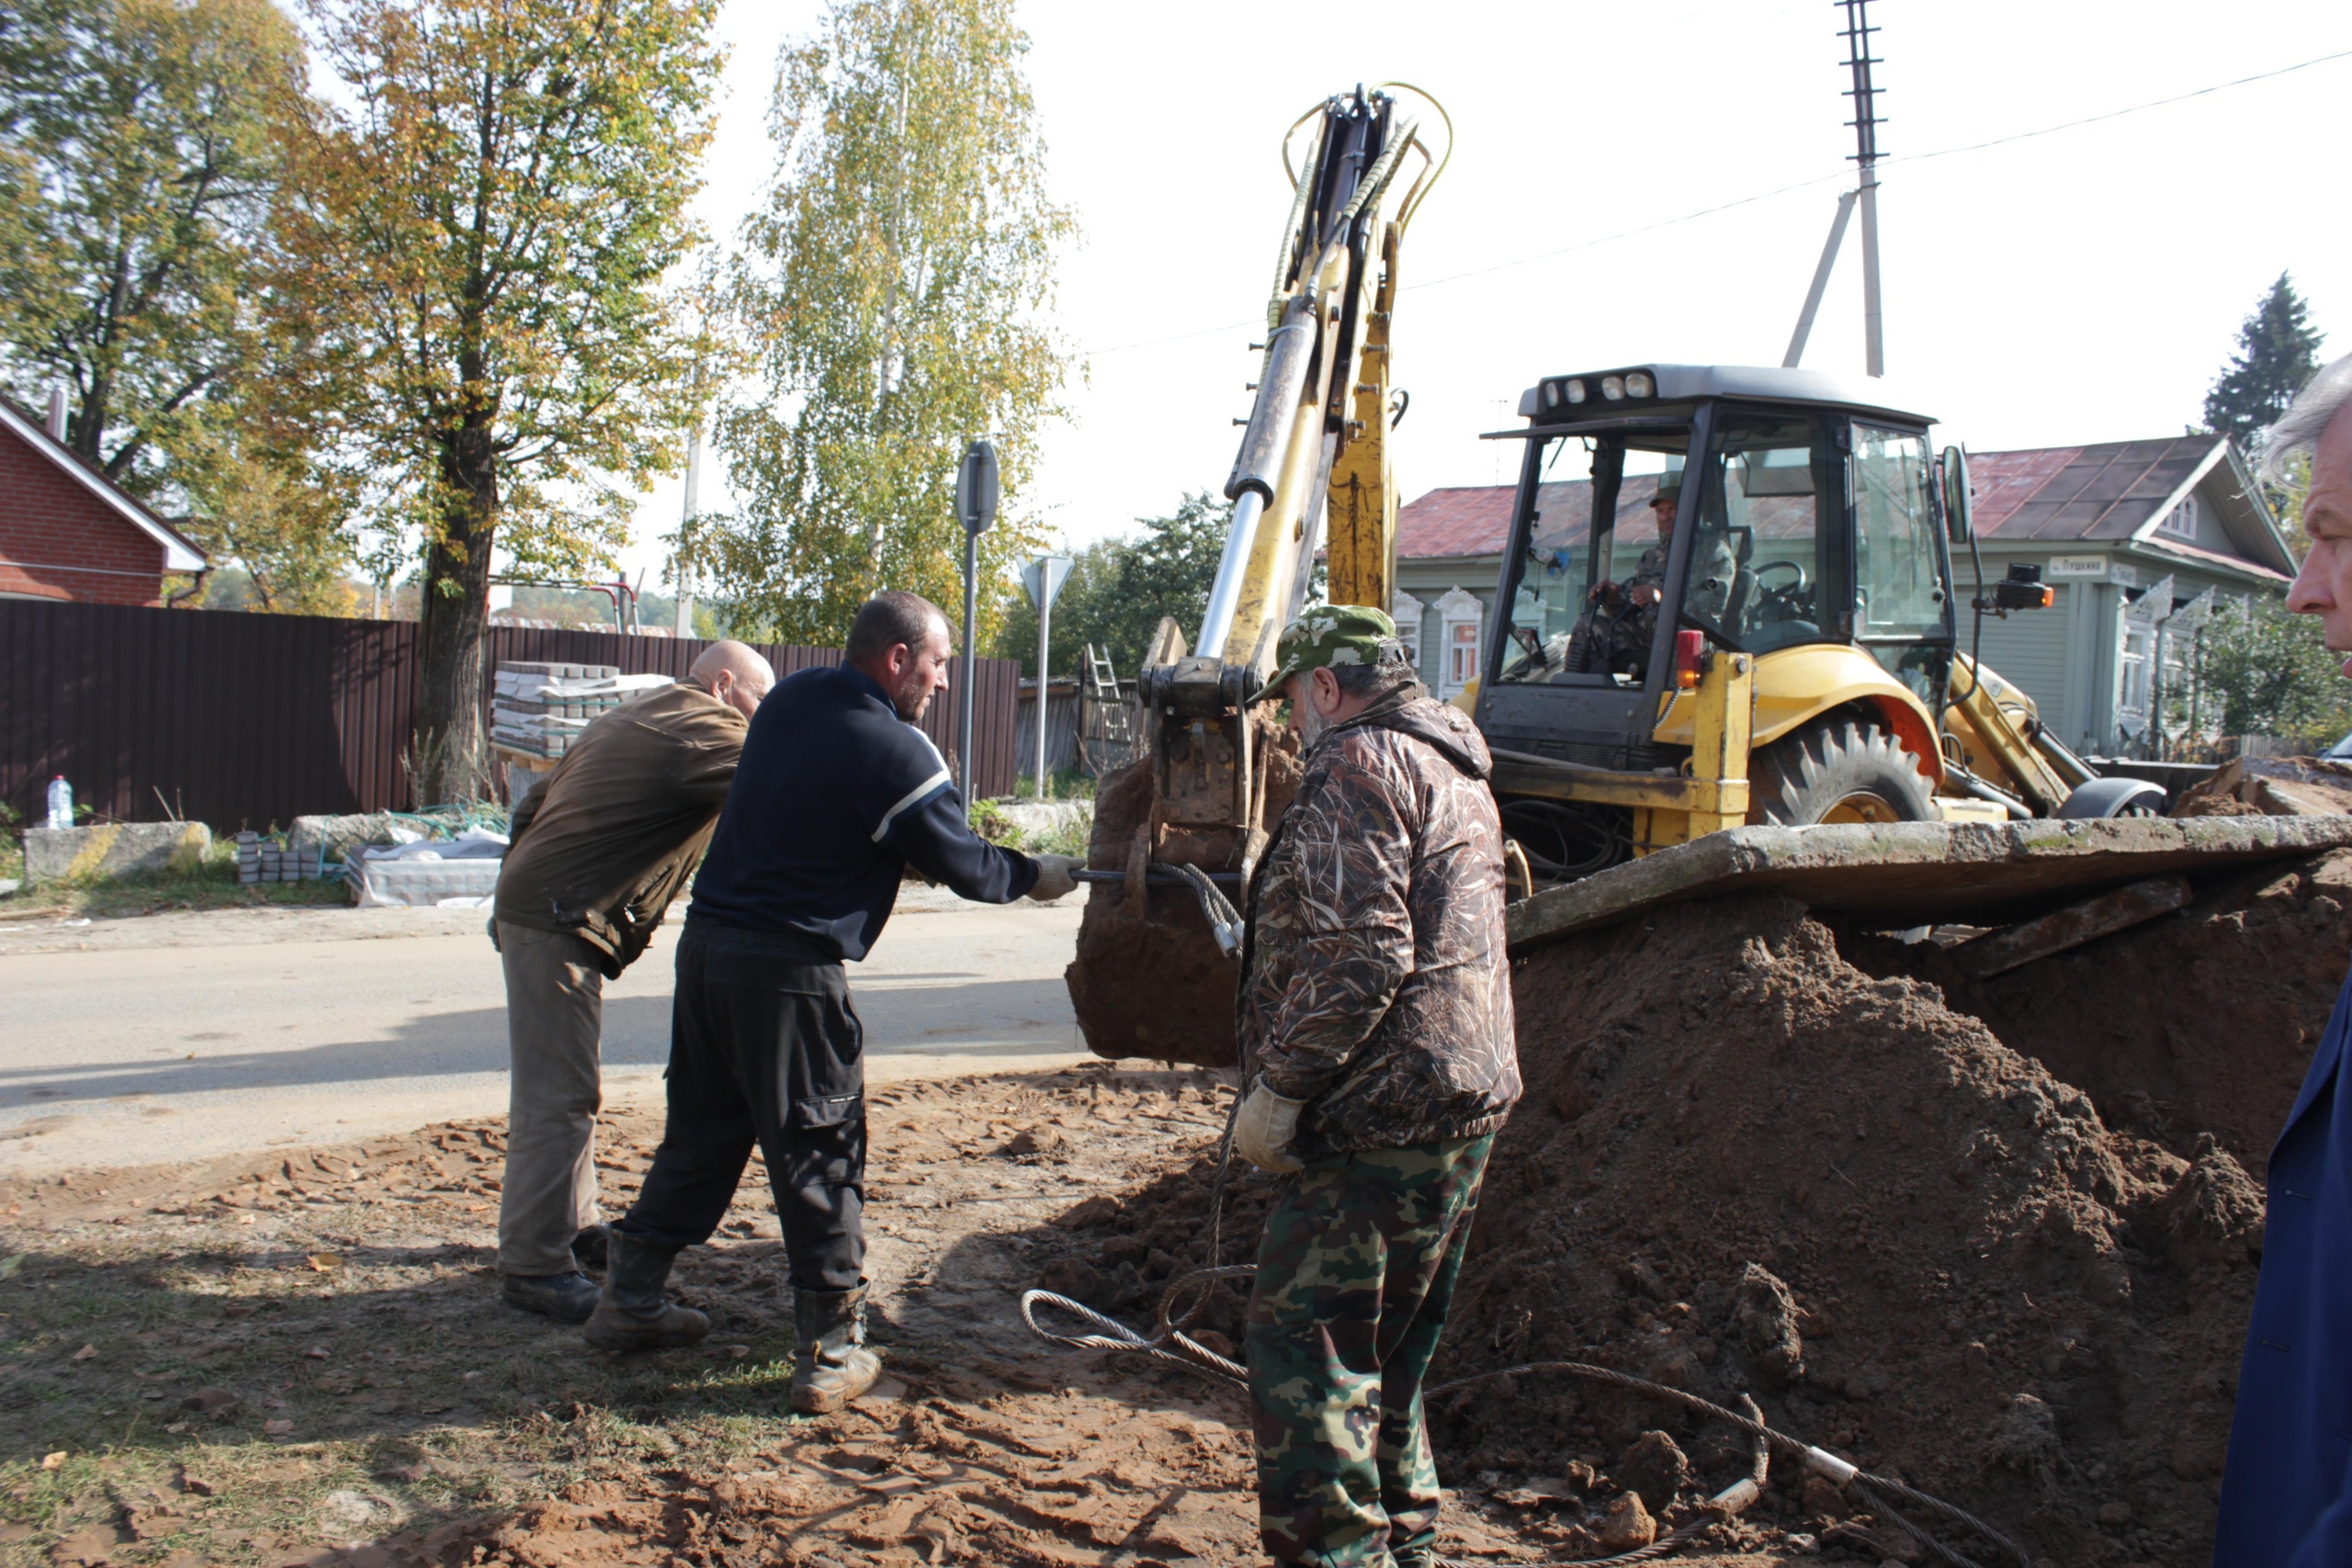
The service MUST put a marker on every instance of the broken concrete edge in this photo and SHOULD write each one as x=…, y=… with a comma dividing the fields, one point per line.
x=1920, y=872
x=113, y=849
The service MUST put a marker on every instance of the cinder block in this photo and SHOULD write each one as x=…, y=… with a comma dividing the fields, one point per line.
x=114, y=849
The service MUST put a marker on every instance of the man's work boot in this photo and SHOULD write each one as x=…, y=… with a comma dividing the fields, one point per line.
x=634, y=1314
x=588, y=1248
x=568, y=1297
x=830, y=1365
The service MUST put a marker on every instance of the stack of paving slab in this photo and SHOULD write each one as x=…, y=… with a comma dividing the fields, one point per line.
x=538, y=708
x=262, y=859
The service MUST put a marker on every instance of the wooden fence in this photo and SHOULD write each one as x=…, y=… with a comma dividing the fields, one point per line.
x=244, y=720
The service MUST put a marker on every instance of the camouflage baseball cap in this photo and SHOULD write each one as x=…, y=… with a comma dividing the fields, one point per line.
x=1330, y=634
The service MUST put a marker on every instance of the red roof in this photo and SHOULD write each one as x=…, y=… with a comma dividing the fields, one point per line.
x=2057, y=494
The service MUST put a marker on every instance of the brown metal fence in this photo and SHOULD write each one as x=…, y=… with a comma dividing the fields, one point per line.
x=242, y=720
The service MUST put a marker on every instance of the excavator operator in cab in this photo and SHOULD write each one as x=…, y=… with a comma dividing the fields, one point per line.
x=1614, y=635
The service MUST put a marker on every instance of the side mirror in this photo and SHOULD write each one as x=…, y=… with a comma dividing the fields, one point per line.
x=1958, y=525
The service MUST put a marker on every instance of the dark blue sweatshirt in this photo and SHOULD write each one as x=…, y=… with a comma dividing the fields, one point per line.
x=835, y=797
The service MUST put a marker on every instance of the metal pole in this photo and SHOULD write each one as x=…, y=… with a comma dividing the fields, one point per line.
x=964, y=697
x=685, y=622
x=1820, y=281
x=1045, y=619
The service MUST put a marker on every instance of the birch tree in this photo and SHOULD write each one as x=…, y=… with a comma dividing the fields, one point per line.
x=895, y=286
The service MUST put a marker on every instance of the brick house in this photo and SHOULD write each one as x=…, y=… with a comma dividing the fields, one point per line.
x=66, y=533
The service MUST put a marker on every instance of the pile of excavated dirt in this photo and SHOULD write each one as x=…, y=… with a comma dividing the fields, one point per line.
x=1994, y=1239
x=1744, y=1164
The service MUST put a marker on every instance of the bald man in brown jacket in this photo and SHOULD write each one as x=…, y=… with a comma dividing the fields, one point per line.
x=596, y=854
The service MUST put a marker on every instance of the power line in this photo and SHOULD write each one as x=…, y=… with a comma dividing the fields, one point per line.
x=1781, y=190
x=2117, y=114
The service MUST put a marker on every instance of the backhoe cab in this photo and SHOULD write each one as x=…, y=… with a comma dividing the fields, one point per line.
x=1746, y=613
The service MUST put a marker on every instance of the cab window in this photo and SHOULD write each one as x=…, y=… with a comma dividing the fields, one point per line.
x=1898, y=560
x=1764, y=569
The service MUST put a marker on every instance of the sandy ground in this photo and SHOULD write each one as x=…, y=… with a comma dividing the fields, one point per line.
x=185, y=1036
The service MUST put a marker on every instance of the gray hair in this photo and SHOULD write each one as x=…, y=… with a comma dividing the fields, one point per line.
x=2297, y=430
x=1363, y=679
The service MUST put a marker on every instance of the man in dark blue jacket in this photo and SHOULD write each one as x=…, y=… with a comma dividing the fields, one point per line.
x=2286, y=1493
x=837, y=793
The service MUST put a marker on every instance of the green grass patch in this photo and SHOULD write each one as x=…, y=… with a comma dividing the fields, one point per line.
x=211, y=884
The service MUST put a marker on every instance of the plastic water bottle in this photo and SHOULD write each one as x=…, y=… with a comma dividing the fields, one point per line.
x=60, y=803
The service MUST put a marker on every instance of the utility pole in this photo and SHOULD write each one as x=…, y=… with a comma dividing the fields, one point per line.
x=1866, y=121
x=685, y=622
x=1865, y=124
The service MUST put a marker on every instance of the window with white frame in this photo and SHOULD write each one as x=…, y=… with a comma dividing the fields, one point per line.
x=1460, y=620
x=2138, y=669
x=1406, y=611
x=2181, y=521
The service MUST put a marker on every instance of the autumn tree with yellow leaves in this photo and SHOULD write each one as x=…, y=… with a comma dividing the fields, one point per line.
x=489, y=216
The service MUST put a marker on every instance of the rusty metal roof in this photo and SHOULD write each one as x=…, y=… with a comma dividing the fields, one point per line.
x=2062, y=494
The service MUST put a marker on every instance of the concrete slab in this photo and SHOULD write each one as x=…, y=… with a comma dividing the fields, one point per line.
x=112, y=849
x=1912, y=873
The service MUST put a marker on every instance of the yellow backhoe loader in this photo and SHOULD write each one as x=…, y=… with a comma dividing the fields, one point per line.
x=1798, y=658
x=1784, y=648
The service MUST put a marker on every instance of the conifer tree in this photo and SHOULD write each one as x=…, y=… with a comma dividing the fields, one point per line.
x=2278, y=352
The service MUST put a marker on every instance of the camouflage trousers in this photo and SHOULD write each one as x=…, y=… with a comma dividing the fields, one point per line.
x=1354, y=1277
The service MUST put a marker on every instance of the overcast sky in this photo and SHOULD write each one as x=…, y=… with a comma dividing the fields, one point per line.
x=2081, y=285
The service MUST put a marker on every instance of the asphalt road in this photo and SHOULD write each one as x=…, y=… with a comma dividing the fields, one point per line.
x=185, y=1036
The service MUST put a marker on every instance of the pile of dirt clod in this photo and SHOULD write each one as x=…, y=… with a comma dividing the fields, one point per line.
x=1743, y=1164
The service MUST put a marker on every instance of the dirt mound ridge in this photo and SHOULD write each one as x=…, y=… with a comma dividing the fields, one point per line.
x=2202, y=1021
x=1745, y=1164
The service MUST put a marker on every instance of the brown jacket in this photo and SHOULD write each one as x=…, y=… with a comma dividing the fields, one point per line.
x=1376, y=985
x=601, y=848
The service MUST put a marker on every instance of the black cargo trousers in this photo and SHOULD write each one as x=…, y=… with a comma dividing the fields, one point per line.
x=764, y=1047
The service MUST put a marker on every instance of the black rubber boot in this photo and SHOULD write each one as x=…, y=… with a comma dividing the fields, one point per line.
x=830, y=1365
x=588, y=1248
x=568, y=1297
x=634, y=1314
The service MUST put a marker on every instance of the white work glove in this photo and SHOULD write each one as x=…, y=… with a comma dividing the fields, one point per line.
x=1261, y=1133
x=1054, y=878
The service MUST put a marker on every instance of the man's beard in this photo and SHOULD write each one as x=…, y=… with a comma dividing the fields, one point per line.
x=911, y=698
x=1311, y=724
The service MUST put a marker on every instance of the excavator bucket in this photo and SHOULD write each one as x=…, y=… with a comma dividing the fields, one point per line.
x=1178, y=832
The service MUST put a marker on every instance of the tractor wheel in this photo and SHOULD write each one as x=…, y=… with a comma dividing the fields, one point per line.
x=1838, y=769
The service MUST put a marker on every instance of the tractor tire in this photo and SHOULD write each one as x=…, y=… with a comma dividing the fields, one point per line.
x=1838, y=769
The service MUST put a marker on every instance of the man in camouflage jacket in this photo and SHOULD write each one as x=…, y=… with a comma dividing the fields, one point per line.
x=1377, y=1040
